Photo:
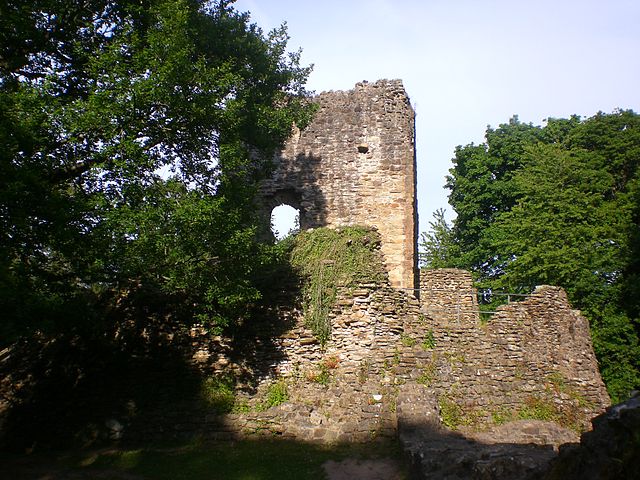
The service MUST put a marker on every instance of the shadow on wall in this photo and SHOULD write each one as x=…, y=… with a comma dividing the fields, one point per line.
x=296, y=184
x=609, y=451
x=436, y=453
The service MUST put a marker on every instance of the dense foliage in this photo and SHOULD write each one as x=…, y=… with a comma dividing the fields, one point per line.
x=558, y=205
x=129, y=134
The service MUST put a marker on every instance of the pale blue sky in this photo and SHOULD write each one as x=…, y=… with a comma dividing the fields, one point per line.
x=467, y=64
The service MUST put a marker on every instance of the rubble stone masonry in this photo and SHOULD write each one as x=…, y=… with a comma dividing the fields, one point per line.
x=531, y=349
x=355, y=165
x=392, y=361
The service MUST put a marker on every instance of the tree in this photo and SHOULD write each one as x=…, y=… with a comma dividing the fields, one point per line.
x=565, y=232
x=132, y=136
x=480, y=185
x=438, y=244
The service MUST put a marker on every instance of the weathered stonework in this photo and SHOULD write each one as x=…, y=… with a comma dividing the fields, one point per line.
x=390, y=364
x=537, y=349
x=393, y=363
x=448, y=293
x=344, y=392
x=355, y=165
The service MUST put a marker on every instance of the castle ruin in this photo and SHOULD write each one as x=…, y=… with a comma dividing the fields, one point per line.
x=394, y=364
x=355, y=164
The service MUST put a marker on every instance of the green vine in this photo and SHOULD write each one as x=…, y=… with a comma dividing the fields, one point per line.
x=328, y=260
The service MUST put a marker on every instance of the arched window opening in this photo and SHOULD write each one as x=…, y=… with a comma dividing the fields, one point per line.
x=285, y=221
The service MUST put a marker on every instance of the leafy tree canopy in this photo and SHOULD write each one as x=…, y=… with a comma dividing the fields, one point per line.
x=438, y=244
x=130, y=138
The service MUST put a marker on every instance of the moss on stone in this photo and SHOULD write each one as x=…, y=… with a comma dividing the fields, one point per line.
x=329, y=260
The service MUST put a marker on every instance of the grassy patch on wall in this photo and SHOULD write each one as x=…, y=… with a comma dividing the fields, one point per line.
x=541, y=407
x=451, y=413
x=429, y=374
x=218, y=393
x=277, y=394
x=324, y=372
x=559, y=403
x=329, y=259
x=429, y=341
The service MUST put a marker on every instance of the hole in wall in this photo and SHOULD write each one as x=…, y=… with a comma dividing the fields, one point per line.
x=285, y=221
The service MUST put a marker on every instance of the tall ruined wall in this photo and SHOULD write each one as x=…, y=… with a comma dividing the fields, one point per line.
x=528, y=351
x=355, y=165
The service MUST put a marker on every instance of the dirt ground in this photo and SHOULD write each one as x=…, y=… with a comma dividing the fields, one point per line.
x=352, y=469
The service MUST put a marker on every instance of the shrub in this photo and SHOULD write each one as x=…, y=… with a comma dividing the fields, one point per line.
x=277, y=394
x=429, y=341
x=218, y=393
x=407, y=340
x=450, y=412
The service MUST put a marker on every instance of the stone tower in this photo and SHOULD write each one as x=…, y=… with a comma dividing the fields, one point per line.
x=355, y=164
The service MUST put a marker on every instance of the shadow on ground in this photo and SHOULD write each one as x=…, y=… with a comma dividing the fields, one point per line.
x=234, y=460
x=76, y=389
x=425, y=451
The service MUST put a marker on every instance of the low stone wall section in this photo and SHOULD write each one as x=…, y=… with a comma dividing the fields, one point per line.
x=536, y=349
x=344, y=391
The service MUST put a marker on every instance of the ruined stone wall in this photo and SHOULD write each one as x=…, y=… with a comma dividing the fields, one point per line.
x=449, y=293
x=355, y=165
x=391, y=360
x=538, y=349
x=346, y=391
